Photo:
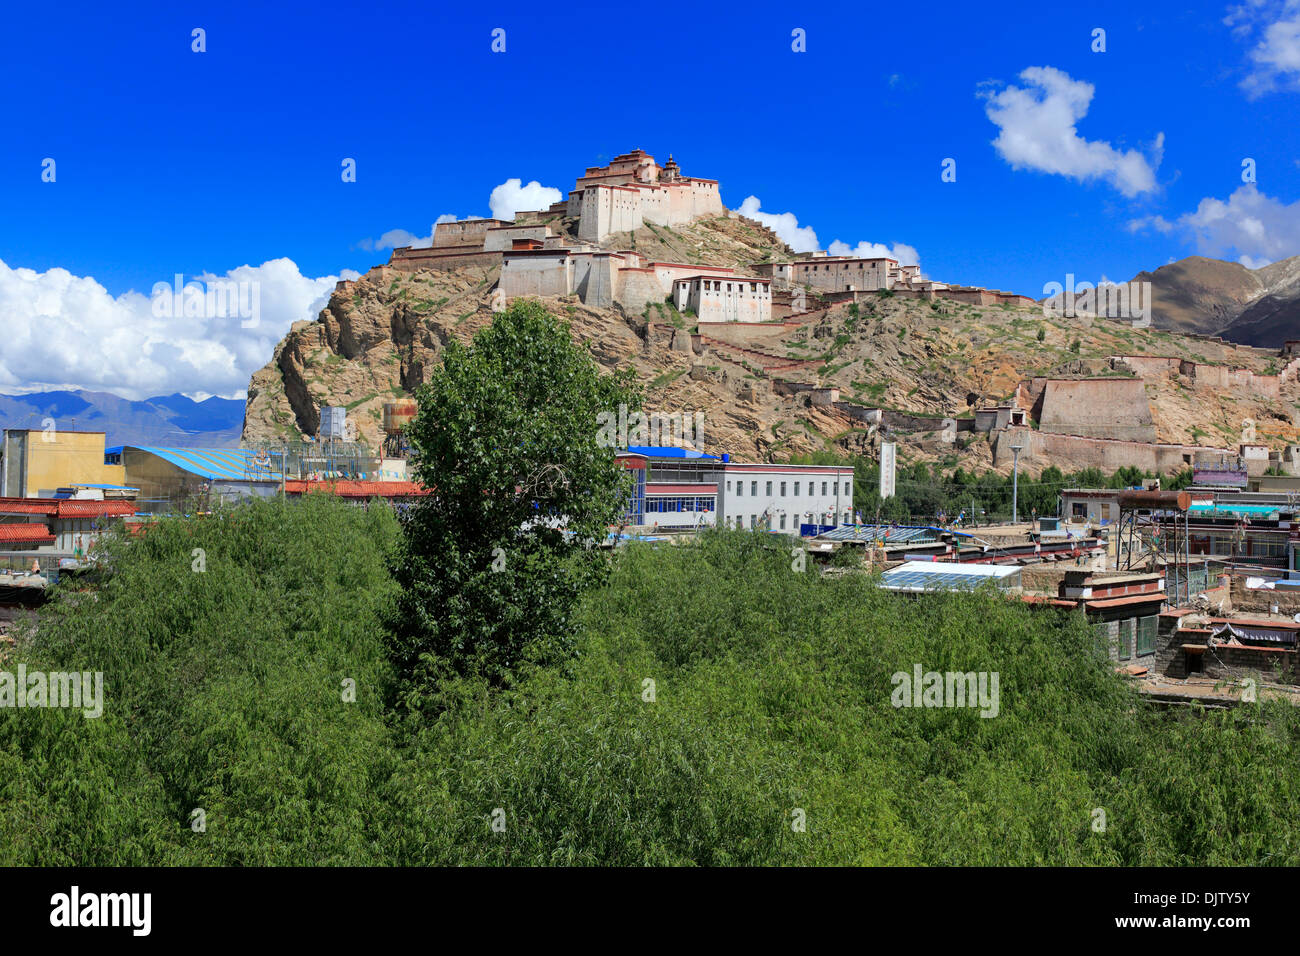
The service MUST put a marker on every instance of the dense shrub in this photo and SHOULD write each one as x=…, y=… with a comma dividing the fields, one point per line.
x=770, y=704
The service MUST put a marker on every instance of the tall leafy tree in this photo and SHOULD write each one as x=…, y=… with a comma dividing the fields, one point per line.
x=493, y=562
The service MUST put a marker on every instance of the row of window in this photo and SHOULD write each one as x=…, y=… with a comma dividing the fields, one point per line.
x=812, y=488
x=711, y=285
x=779, y=521
x=686, y=503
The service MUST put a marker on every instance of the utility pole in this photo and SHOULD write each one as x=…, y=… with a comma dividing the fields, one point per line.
x=1015, y=484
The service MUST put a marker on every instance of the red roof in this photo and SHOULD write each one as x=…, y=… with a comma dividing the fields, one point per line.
x=26, y=531
x=348, y=488
x=65, y=507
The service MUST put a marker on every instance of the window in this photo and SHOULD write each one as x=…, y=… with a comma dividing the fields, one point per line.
x=1079, y=509
x=753, y=521
x=823, y=487
x=740, y=489
x=1126, y=639
x=753, y=488
x=769, y=489
x=783, y=489
x=1146, y=635
x=796, y=489
x=847, y=490
x=782, y=522
x=728, y=486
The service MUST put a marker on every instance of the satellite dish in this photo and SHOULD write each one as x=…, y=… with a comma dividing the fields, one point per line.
x=1296, y=619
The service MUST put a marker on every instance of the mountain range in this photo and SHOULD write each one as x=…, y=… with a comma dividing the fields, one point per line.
x=162, y=420
x=1259, y=307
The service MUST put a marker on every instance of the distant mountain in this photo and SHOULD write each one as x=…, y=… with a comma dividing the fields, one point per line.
x=1259, y=307
x=164, y=420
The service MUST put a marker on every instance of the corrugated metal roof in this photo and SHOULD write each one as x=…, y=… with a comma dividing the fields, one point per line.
x=214, y=464
x=881, y=532
x=944, y=576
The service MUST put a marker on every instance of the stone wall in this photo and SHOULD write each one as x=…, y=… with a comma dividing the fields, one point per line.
x=1072, y=452
x=638, y=288
x=408, y=259
x=1115, y=408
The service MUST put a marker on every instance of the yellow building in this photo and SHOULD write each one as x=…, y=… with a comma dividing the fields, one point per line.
x=35, y=463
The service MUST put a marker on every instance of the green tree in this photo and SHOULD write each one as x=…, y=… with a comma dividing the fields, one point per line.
x=492, y=562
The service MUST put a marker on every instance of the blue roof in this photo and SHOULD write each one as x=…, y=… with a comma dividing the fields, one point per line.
x=82, y=484
x=214, y=464
x=891, y=534
x=666, y=451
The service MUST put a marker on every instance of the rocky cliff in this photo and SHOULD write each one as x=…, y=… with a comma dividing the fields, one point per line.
x=382, y=333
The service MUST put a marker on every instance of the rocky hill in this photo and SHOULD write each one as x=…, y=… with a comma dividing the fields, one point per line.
x=380, y=335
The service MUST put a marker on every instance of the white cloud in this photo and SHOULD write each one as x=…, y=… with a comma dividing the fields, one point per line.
x=1037, y=131
x=395, y=238
x=67, y=331
x=904, y=254
x=507, y=199
x=512, y=197
x=784, y=224
x=1254, y=228
x=1274, y=29
x=804, y=238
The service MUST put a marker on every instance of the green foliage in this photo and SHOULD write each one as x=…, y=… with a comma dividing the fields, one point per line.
x=222, y=691
x=771, y=694
x=507, y=437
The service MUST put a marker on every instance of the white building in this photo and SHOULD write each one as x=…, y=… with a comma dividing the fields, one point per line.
x=725, y=297
x=782, y=497
x=687, y=490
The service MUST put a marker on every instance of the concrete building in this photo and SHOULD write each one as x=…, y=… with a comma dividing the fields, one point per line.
x=36, y=463
x=783, y=497
x=168, y=477
x=725, y=298
x=682, y=489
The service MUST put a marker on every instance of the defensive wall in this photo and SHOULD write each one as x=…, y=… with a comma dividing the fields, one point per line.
x=1074, y=452
x=1114, y=408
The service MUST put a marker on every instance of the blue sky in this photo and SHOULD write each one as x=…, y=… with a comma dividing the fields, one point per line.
x=168, y=161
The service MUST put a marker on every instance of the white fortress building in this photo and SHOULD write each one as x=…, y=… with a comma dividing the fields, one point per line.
x=634, y=190
x=844, y=274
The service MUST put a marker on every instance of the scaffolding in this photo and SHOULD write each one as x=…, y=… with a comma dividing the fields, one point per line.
x=327, y=458
x=1149, y=533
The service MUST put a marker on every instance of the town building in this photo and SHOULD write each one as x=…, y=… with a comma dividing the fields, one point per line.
x=59, y=527
x=36, y=463
x=678, y=488
x=784, y=497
